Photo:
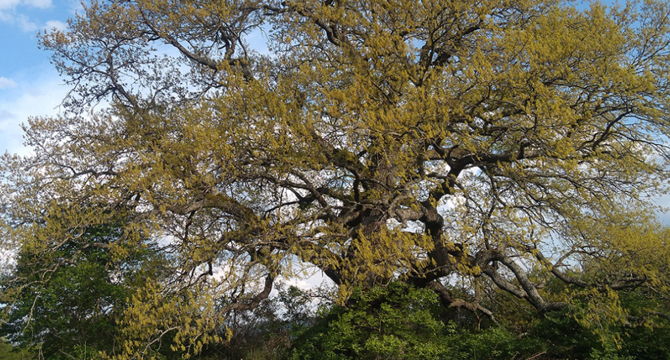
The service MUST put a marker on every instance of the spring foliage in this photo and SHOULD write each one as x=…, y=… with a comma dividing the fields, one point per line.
x=497, y=145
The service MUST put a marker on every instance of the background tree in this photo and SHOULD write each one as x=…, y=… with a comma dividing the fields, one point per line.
x=494, y=144
x=64, y=303
x=7, y=353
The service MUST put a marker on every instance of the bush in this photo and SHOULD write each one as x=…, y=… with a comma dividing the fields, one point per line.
x=401, y=322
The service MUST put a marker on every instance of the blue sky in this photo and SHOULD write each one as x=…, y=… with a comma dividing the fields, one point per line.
x=29, y=84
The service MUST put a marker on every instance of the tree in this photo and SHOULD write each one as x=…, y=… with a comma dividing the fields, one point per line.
x=64, y=303
x=397, y=322
x=7, y=353
x=491, y=144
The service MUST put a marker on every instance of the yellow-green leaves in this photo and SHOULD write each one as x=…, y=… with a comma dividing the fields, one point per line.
x=493, y=143
x=187, y=320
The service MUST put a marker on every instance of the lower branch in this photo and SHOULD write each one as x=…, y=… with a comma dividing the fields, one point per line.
x=448, y=301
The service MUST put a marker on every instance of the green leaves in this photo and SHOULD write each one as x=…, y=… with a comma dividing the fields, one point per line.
x=494, y=145
x=67, y=302
x=398, y=322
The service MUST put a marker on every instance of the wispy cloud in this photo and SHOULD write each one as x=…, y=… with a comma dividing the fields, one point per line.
x=40, y=95
x=42, y=4
x=55, y=24
x=7, y=83
x=25, y=23
x=28, y=25
x=10, y=12
x=11, y=4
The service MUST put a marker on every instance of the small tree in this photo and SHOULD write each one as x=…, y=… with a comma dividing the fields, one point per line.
x=65, y=303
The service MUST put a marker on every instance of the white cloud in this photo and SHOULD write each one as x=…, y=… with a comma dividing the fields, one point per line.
x=20, y=20
x=5, y=16
x=76, y=7
x=25, y=24
x=55, y=24
x=10, y=12
x=11, y=4
x=299, y=283
x=42, y=4
x=6, y=83
x=39, y=95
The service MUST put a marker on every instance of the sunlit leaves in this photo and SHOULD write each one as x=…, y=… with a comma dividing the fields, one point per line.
x=492, y=144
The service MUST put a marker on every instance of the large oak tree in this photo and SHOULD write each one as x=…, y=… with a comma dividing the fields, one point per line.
x=495, y=144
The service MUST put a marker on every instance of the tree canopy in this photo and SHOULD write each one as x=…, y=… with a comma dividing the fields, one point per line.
x=490, y=146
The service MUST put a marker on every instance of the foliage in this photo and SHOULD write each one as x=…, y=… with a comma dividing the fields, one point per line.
x=8, y=352
x=68, y=300
x=496, y=145
x=272, y=328
x=397, y=322
x=401, y=322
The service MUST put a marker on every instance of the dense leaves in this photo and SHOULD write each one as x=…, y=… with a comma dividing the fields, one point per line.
x=393, y=323
x=68, y=301
x=402, y=322
x=465, y=147
x=8, y=352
